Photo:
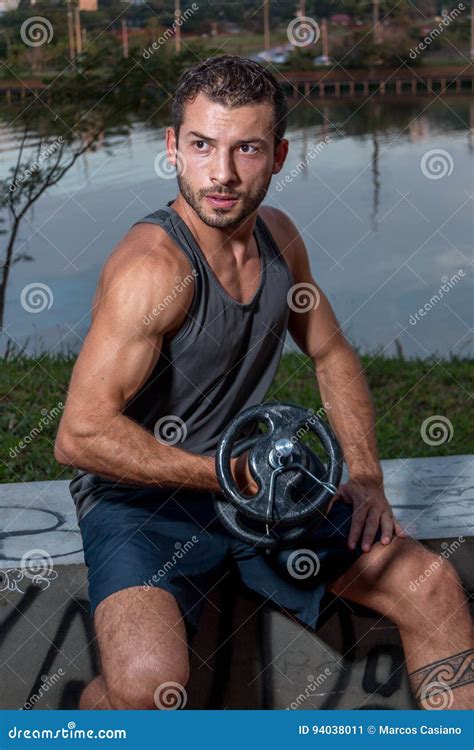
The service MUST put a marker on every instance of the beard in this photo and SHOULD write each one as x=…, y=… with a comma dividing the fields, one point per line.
x=219, y=217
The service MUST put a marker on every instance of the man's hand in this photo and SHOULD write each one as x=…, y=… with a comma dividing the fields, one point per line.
x=371, y=509
x=242, y=476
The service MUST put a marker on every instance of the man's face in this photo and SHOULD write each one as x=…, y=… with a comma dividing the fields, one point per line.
x=229, y=153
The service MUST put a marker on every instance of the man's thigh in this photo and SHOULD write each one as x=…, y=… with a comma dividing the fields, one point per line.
x=148, y=563
x=142, y=641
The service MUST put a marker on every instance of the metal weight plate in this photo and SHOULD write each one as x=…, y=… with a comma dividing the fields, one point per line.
x=281, y=465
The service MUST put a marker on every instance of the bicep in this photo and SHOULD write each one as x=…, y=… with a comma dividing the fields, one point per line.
x=113, y=364
x=121, y=348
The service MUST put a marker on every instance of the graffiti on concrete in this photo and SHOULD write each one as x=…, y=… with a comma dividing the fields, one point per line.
x=87, y=658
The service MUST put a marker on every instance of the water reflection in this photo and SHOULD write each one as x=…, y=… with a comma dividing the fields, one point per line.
x=382, y=233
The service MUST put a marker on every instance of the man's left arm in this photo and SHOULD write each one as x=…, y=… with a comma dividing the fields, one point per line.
x=344, y=393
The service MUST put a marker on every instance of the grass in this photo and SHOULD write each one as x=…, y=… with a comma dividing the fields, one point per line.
x=405, y=392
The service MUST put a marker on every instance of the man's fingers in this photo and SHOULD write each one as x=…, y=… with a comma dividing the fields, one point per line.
x=386, y=526
x=340, y=495
x=357, y=524
x=399, y=530
x=371, y=526
x=331, y=503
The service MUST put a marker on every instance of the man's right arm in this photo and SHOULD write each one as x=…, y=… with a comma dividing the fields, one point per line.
x=117, y=356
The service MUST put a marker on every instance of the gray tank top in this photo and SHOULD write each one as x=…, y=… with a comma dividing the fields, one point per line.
x=222, y=360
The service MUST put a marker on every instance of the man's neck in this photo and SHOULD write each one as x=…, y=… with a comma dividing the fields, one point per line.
x=216, y=241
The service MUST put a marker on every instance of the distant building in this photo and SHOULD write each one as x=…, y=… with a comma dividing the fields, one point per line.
x=87, y=4
x=341, y=19
x=13, y=4
x=6, y=5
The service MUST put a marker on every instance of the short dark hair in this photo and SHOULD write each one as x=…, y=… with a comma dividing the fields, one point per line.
x=232, y=81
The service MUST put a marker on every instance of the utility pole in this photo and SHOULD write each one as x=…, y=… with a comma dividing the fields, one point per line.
x=70, y=30
x=378, y=33
x=324, y=37
x=177, y=29
x=8, y=42
x=266, y=25
x=472, y=30
x=301, y=8
x=77, y=24
x=124, y=36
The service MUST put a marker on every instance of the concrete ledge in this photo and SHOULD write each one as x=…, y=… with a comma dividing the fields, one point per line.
x=245, y=655
x=432, y=497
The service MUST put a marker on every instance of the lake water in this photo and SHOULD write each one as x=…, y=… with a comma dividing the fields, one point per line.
x=384, y=205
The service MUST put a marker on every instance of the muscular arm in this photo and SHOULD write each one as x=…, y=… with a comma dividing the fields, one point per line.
x=350, y=410
x=117, y=356
x=346, y=397
x=342, y=383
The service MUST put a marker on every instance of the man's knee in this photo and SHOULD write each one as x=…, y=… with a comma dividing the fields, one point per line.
x=147, y=684
x=430, y=576
x=403, y=580
x=426, y=582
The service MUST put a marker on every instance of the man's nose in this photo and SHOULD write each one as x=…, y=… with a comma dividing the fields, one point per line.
x=223, y=168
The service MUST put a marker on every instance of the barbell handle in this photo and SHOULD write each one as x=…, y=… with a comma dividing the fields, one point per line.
x=271, y=492
x=330, y=487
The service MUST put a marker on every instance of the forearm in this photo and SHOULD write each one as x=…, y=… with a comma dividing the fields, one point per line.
x=350, y=411
x=120, y=449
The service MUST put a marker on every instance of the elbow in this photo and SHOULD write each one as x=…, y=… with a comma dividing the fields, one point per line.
x=339, y=352
x=65, y=450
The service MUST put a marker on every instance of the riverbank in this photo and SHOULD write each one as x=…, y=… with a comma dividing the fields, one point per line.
x=323, y=81
x=406, y=393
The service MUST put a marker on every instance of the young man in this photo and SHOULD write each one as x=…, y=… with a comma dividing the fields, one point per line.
x=188, y=325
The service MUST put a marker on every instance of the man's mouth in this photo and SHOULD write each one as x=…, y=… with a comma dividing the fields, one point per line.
x=222, y=201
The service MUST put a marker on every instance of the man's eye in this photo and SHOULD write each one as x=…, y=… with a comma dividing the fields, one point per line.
x=247, y=145
x=199, y=143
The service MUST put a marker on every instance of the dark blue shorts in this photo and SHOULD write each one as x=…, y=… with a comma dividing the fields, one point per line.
x=153, y=537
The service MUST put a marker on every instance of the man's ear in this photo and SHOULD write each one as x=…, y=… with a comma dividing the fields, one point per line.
x=281, y=152
x=171, y=144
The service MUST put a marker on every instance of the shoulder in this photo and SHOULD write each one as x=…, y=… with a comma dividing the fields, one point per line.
x=144, y=269
x=284, y=232
x=147, y=247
